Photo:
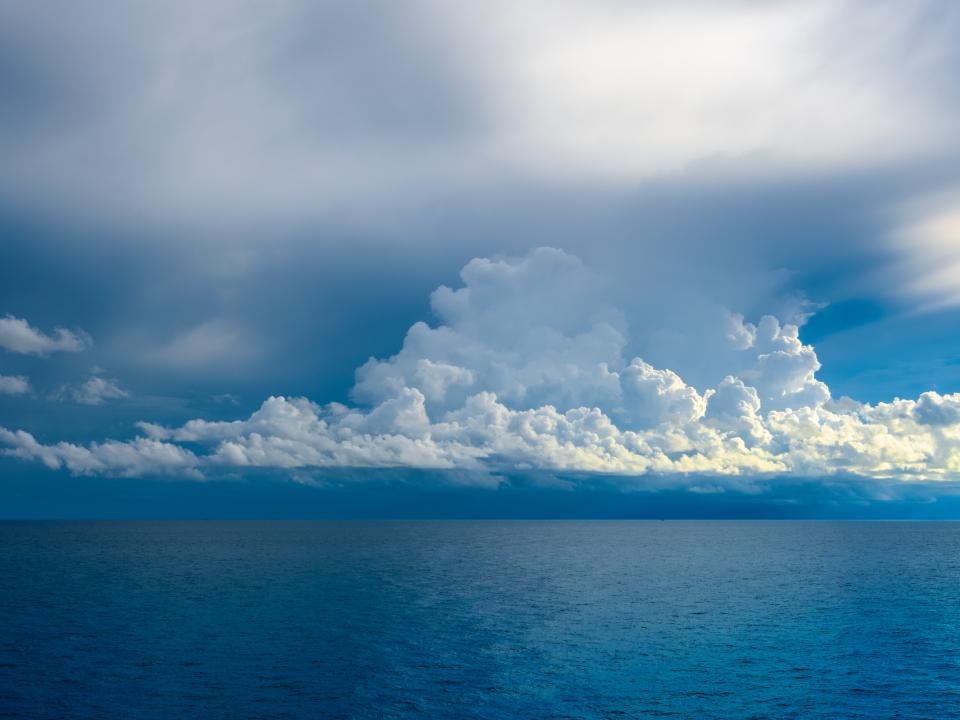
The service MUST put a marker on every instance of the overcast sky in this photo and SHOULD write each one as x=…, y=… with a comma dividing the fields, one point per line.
x=547, y=255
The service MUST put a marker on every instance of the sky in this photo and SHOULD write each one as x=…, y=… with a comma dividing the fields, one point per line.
x=432, y=259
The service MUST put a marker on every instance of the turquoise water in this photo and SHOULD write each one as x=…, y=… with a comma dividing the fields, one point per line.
x=572, y=619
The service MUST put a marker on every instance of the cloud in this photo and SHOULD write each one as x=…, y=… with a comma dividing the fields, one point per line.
x=485, y=435
x=626, y=90
x=189, y=109
x=937, y=410
x=525, y=372
x=95, y=391
x=543, y=329
x=14, y=385
x=17, y=335
x=269, y=175
x=926, y=245
x=135, y=458
x=530, y=330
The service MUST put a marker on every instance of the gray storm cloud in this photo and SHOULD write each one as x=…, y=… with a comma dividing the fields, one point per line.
x=608, y=128
x=226, y=109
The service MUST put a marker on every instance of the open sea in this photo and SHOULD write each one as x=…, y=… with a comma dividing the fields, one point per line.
x=485, y=619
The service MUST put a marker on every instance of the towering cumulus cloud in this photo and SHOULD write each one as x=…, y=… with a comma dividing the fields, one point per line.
x=526, y=370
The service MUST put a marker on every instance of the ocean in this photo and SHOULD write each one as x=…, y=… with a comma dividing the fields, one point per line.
x=480, y=619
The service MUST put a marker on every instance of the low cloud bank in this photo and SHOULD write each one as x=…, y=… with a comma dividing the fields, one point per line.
x=525, y=371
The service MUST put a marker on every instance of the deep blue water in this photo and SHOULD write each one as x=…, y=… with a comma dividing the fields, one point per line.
x=575, y=619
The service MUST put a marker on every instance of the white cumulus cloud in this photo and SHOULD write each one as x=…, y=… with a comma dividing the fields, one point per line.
x=526, y=370
x=14, y=385
x=17, y=335
x=95, y=391
x=141, y=456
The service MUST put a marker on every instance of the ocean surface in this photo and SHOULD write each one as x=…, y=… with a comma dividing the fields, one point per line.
x=487, y=619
